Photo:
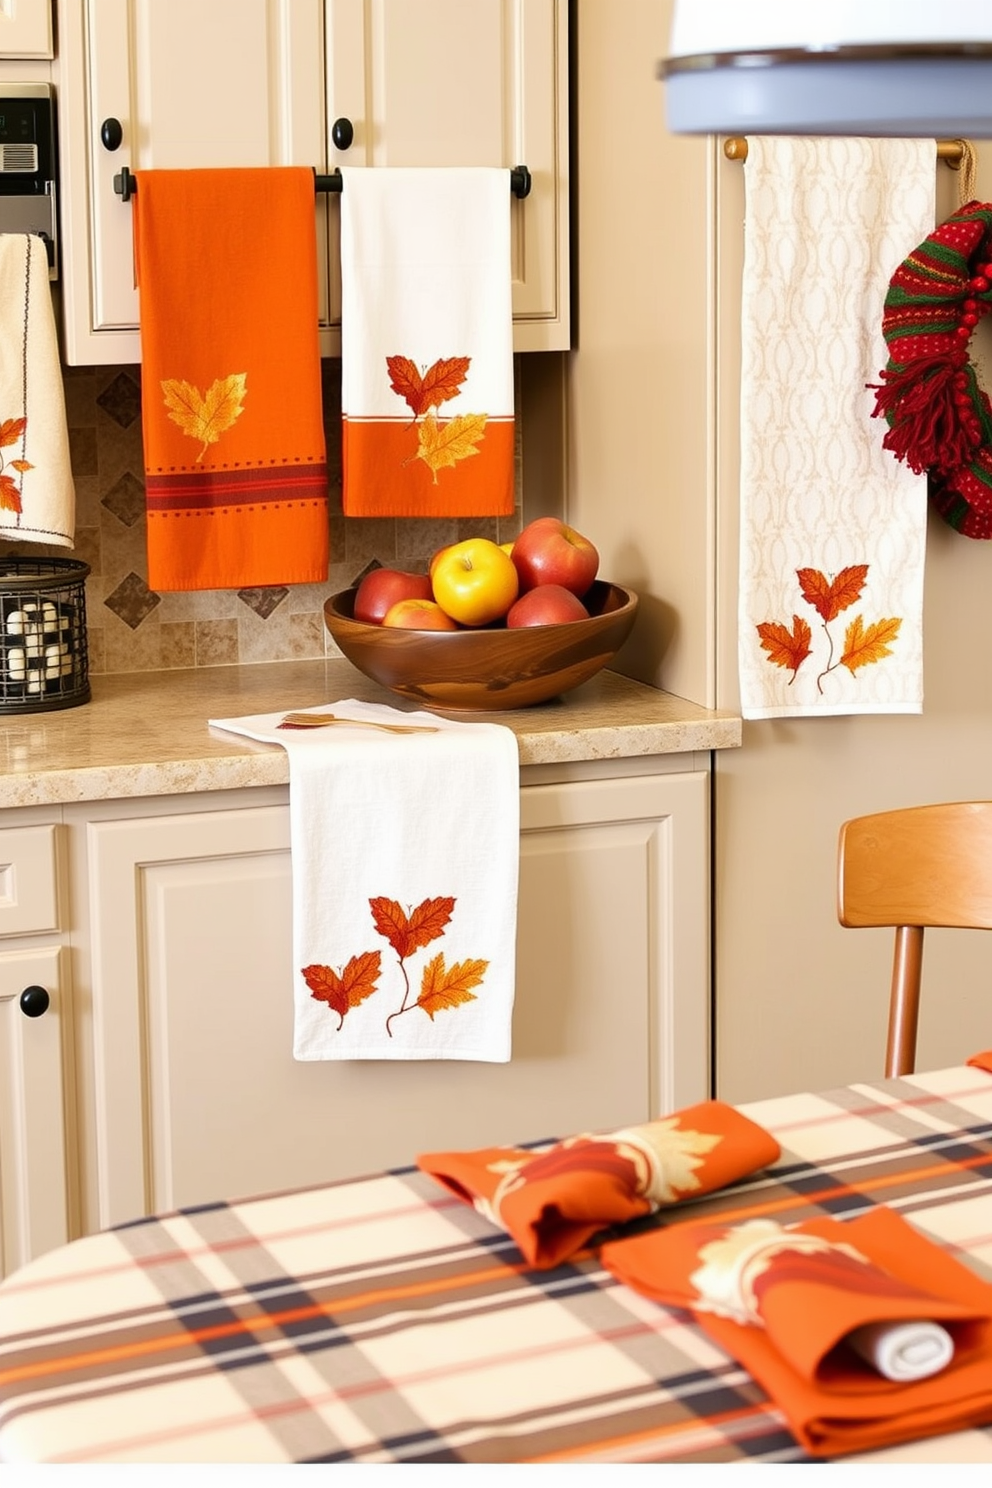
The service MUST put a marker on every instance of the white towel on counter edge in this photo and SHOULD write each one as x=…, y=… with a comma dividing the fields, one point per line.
x=407, y=819
x=827, y=223
x=34, y=438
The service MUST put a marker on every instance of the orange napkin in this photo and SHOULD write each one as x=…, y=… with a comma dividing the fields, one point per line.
x=551, y=1203
x=982, y=1061
x=235, y=472
x=801, y=1292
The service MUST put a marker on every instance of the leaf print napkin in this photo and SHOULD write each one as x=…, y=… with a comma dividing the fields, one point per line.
x=553, y=1202
x=790, y=1303
x=231, y=407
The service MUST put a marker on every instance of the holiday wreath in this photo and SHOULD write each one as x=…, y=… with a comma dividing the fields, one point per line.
x=939, y=417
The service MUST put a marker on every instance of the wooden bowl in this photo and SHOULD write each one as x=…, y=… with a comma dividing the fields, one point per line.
x=488, y=669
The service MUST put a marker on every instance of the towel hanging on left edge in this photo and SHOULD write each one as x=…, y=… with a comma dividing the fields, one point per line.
x=235, y=457
x=37, y=495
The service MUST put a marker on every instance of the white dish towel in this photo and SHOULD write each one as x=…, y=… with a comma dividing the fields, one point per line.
x=37, y=495
x=833, y=529
x=405, y=852
x=426, y=342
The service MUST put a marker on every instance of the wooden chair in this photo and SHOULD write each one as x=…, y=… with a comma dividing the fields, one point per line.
x=925, y=865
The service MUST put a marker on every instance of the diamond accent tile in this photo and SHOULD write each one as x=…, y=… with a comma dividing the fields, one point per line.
x=126, y=499
x=121, y=400
x=263, y=601
x=132, y=601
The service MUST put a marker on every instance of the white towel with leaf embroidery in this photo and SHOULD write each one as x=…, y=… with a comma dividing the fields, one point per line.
x=37, y=495
x=405, y=852
x=833, y=529
x=426, y=342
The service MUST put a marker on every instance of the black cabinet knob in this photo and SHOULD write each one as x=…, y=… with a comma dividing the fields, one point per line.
x=111, y=134
x=34, y=1002
x=342, y=133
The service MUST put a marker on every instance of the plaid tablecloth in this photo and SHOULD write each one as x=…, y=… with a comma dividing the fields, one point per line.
x=381, y=1320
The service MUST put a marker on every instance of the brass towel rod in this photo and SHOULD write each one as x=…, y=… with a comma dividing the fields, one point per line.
x=126, y=185
x=949, y=150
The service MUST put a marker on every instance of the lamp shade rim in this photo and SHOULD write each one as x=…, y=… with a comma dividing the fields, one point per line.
x=897, y=53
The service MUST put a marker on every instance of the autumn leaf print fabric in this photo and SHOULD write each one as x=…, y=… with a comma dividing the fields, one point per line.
x=231, y=404
x=426, y=343
x=553, y=1202
x=832, y=529
x=37, y=494
x=405, y=863
x=789, y=1303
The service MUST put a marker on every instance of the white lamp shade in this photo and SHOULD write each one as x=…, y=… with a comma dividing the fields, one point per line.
x=854, y=67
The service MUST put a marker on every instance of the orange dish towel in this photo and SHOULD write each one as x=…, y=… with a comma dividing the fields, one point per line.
x=797, y=1305
x=982, y=1061
x=553, y=1202
x=235, y=460
x=426, y=343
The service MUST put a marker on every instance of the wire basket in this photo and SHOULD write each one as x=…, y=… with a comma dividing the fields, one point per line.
x=43, y=656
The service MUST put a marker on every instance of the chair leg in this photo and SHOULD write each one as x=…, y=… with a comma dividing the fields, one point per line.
x=904, y=1002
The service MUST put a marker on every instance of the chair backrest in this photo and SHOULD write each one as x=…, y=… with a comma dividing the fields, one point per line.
x=909, y=869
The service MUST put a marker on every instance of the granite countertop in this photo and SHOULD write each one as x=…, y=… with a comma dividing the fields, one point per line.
x=147, y=734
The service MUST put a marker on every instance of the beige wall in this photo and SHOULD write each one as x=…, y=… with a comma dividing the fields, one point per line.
x=653, y=471
x=641, y=392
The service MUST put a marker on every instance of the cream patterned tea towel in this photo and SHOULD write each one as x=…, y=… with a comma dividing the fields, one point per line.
x=405, y=851
x=833, y=530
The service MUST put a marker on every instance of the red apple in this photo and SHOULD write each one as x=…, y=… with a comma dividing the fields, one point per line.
x=548, y=604
x=383, y=587
x=548, y=551
x=418, y=614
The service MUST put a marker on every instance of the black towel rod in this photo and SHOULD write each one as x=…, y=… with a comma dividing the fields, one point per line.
x=125, y=184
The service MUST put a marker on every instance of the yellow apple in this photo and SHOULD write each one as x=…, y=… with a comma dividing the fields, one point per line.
x=475, y=582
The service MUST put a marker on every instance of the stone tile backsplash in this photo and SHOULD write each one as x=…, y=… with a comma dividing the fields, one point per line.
x=129, y=627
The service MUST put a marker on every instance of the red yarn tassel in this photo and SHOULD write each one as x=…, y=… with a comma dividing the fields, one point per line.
x=925, y=427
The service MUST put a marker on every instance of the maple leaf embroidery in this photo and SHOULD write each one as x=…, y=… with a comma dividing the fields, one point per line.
x=356, y=982
x=863, y=645
x=829, y=596
x=440, y=443
x=11, y=431
x=440, y=382
x=786, y=648
x=444, y=987
x=205, y=416
x=441, y=988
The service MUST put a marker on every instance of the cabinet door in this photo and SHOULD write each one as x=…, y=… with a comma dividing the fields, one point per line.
x=25, y=28
x=192, y=83
x=197, y=1094
x=442, y=82
x=33, y=1174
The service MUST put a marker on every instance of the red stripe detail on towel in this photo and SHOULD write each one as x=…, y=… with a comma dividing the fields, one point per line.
x=201, y=490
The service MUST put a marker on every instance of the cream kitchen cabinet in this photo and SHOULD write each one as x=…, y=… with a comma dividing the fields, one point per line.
x=25, y=29
x=184, y=84
x=35, y=1093
x=187, y=1086
x=196, y=83
x=442, y=82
